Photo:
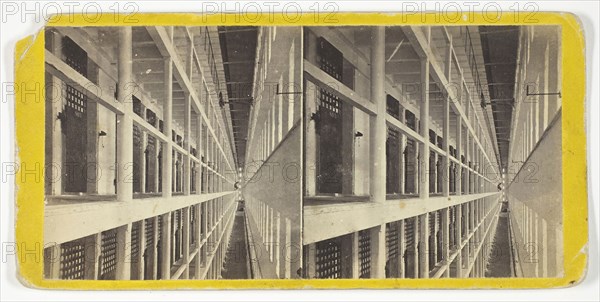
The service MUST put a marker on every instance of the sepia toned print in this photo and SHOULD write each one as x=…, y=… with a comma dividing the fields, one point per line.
x=432, y=152
x=153, y=131
x=316, y=152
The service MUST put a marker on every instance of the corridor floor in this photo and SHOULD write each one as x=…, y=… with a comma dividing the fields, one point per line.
x=499, y=264
x=236, y=258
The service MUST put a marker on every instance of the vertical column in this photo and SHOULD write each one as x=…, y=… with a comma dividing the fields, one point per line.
x=200, y=152
x=459, y=167
x=165, y=240
x=198, y=260
x=155, y=260
x=378, y=252
x=93, y=245
x=167, y=158
x=287, y=260
x=311, y=261
x=458, y=236
x=124, y=121
x=186, y=242
x=424, y=117
x=467, y=159
x=54, y=260
x=123, y=261
x=187, y=163
x=446, y=124
x=141, y=249
x=355, y=258
x=423, y=245
x=446, y=239
x=377, y=127
x=277, y=242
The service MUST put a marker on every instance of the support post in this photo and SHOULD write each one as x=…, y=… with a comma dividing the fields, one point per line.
x=165, y=262
x=186, y=242
x=423, y=231
x=123, y=261
x=124, y=121
x=377, y=127
x=378, y=252
x=458, y=229
x=424, y=118
x=167, y=158
x=187, y=161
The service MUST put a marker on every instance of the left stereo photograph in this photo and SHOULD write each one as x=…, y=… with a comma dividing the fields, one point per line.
x=175, y=152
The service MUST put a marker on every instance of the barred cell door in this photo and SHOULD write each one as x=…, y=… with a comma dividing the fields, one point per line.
x=328, y=260
x=108, y=255
x=159, y=168
x=392, y=247
x=432, y=172
x=150, y=164
x=409, y=167
x=409, y=252
x=149, y=250
x=74, y=123
x=137, y=159
x=364, y=254
x=159, y=251
x=74, y=126
x=392, y=155
x=329, y=124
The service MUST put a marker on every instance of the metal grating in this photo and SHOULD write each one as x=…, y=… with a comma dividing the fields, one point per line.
x=75, y=56
x=328, y=260
x=432, y=235
x=137, y=159
x=149, y=230
x=193, y=224
x=72, y=260
x=439, y=236
x=331, y=60
x=135, y=239
x=77, y=101
x=392, y=156
x=409, y=232
x=393, y=107
x=108, y=255
x=74, y=126
x=364, y=253
x=150, y=159
x=411, y=119
x=391, y=239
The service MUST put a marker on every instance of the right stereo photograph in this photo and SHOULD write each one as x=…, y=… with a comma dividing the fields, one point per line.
x=432, y=152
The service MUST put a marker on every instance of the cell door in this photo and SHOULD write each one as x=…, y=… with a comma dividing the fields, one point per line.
x=329, y=125
x=74, y=125
x=137, y=159
x=409, y=252
x=392, y=247
x=149, y=250
x=432, y=172
x=409, y=167
x=150, y=163
x=392, y=155
x=329, y=137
